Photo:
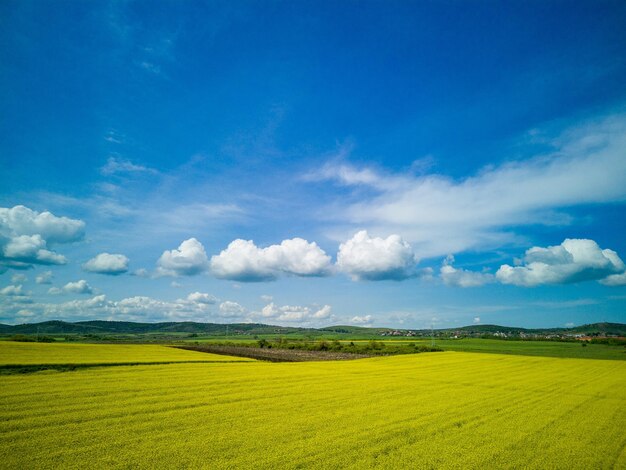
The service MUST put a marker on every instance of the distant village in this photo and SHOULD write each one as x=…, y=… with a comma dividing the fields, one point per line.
x=458, y=334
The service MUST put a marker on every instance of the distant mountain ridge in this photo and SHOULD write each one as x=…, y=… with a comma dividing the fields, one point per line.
x=120, y=327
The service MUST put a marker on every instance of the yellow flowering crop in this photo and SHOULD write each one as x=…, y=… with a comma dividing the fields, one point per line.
x=76, y=353
x=439, y=410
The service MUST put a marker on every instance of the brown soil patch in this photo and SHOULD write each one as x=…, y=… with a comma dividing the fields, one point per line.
x=274, y=354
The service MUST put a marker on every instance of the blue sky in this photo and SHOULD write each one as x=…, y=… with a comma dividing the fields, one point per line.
x=313, y=163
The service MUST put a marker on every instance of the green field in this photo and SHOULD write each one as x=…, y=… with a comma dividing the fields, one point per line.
x=430, y=410
x=497, y=346
x=532, y=348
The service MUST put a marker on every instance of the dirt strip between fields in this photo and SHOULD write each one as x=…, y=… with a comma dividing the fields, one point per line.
x=275, y=354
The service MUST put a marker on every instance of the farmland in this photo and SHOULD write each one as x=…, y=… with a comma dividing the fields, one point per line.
x=33, y=356
x=532, y=348
x=404, y=346
x=430, y=410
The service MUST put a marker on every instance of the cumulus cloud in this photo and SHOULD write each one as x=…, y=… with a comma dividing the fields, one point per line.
x=25, y=236
x=197, y=306
x=44, y=278
x=243, y=261
x=295, y=313
x=574, y=260
x=231, y=309
x=78, y=287
x=361, y=320
x=202, y=298
x=21, y=220
x=12, y=290
x=106, y=263
x=615, y=280
x=452, y=276
x=31, y=249
x=476, y=319
x=138, y=308
x=374, y=259
x=189, y=259
x=439, y=215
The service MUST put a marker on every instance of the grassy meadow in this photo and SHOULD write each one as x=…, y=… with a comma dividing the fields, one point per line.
x=430, y=410
x=532, y=348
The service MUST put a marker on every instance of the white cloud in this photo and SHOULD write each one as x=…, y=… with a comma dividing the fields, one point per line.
x=78, y=287
x=17, y=278
x=25, y=314
x=243, y=261
x=476, y=319
x=373, y=258
x=138, y=308
x=231, y=309
x=323, y=312
x=176, y=284
x=267, y=298
x=452, y=276
x=202, y=298
x=25, y=235
x=119, y=166
x=351, y=176
x=31, y=249
x=44, y=278
x=12, y=290
x=574, y=260
x=21, y=220
x=361, y=320
x=55, y=291
x=615, y=280
x=295, y=313
x=189, y=259
x=105, y=263
x=196, y=307
x=439, y=215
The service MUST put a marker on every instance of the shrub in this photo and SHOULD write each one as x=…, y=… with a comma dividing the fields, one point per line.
x=22, y=338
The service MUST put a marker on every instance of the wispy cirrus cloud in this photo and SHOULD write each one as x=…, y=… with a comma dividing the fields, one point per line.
x=440, y=215
x=118, y=165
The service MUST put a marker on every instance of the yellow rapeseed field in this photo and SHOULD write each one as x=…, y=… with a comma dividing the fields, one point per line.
x=431, y=410
x=76, y=353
